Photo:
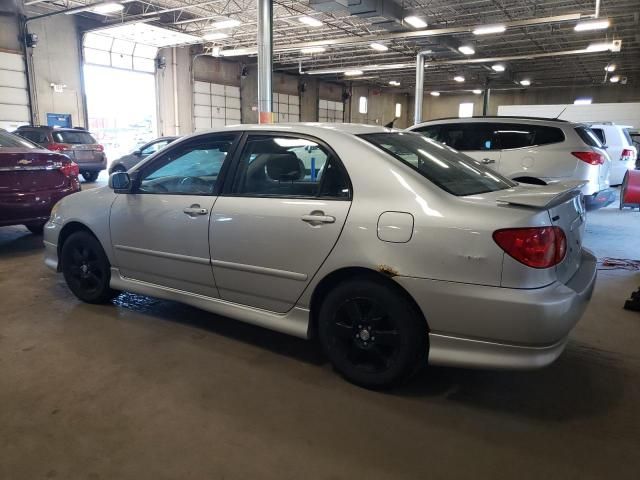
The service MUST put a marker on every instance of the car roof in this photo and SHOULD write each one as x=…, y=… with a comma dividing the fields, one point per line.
x=495, y=119
x=57, y=129
x=311, y=128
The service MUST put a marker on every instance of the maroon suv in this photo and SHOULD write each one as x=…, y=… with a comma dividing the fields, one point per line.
x=32, y=180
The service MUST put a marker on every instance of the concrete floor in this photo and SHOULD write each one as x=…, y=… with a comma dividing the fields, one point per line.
x=153, y=389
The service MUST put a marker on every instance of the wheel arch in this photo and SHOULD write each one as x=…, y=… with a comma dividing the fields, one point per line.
x=332, y=279
x=69, y=229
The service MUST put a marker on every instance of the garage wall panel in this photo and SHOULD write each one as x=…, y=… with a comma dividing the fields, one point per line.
x=215, y=105
x=286, y=108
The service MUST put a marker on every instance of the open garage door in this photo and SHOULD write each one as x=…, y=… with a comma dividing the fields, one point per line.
x=14, y=94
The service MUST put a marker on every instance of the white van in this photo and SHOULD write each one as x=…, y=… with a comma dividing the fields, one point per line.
x=617, y=140
x=530, y=150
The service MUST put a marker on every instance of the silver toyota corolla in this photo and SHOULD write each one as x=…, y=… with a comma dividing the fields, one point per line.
x=391, y=248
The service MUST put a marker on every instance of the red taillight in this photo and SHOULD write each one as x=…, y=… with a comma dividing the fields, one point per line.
x=58, y=147
x=100, y=148
x=537, y=247
x=628, y=155
x=592, y=158
x=70, y=169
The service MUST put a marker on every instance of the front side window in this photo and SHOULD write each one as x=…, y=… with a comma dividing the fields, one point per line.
x=288, y=167
x=191, y=169
x=452, y=171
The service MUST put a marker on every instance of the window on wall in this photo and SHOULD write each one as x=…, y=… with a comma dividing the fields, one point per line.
x=398, y=110
x=286, y=108
x=215, y=105
x=362, y=105
x=465, y=110
x=330, y=111
x=107, y=51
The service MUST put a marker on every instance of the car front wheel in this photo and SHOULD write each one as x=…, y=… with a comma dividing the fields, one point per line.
x=86, y=268
x=372, y=334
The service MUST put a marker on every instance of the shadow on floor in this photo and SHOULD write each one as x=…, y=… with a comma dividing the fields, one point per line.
x=18, y=241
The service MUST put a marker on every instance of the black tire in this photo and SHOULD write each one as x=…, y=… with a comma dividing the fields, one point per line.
x=36, y=229
x=90, y=177
x=118, y=168
x=371, y=333
x=86, y=268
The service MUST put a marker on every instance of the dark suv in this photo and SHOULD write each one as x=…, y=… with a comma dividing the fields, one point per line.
x=77, y=143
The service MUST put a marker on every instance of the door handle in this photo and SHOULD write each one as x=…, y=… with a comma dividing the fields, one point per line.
x=487, y=161
x=317, y=217
x=194, y=210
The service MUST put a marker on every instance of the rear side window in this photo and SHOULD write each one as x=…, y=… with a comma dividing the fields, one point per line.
x=627, y=136
x=464, y=136
x=600, y=134
x=73, y=137
x=588, y=137
x=13, y=141
x=516, y=135
x=451, y=171
x=35, y=136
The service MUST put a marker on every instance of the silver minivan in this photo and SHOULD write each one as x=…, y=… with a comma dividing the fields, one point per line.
x=531, y=150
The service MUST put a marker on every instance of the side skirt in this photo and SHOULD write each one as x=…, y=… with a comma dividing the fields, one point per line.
x=295, y=322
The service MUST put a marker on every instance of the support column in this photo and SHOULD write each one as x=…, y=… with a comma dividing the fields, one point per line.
x=265, y=60
x=417, y=110
x=485, y=100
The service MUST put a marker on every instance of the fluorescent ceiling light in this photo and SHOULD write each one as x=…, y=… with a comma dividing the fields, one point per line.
x=615, y=79
x=214, y=36
x=488, y=29
x=353, y=73
x=459, y=78
x=395, y=83
x=309, y=50
x=229, y=23
x=498, y=67
x=379, y=47
x=415, y=22
x=610, y=68
x=582, y=101
x=525, y=82
x=466, y=49
x=477, y=91
x=600, y=24
x=600, y=47
x=310, y=21
x=435, y=94
x=106, y=8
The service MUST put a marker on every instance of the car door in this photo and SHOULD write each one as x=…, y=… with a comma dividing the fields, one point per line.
x=277, y=220
x=477, y=140
x=160, y=232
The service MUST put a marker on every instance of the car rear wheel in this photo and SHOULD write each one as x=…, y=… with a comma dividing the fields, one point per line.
x=371, y=333
x=36, y=229
x=90, y=176
x=86, y=268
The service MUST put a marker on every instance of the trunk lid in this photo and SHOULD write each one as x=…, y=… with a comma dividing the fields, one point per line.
x=565, y=206
x=30, y=170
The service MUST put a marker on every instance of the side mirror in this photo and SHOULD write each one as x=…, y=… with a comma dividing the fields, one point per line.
x=138, y=153
x=120, y=182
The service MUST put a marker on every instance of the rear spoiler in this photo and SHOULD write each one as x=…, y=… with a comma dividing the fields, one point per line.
x=542, y=196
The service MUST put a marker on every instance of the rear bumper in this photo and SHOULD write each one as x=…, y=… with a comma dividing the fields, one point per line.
x=94, y=165
x=494, y=327
x=31, y=208
x=600, y=199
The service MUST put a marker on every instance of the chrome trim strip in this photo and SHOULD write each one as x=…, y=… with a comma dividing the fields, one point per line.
x=295, y=322
x=300, y=277
x=470, y=353
x=31, y=168
x=172, y=256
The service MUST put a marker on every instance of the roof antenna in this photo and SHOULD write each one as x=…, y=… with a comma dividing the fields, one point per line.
x=558, y=117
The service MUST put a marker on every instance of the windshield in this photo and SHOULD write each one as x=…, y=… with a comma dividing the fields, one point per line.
x=79, y=137
x=447, y=168
x=8, y=140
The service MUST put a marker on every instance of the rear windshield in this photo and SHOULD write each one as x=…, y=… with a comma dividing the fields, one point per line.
x=588, y=137
x=445, y=167
x=8, y=140
x=627, y=135
x=73, y=137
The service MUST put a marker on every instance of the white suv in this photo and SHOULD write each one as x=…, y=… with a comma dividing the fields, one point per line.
x=530, y=150
x=619, y=145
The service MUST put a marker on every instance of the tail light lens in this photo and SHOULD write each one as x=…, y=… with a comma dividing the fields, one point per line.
x=628, y=155
x=58, y=147
x=100, y=148
x=592, y=158
x=536, y=247
x=70, y=169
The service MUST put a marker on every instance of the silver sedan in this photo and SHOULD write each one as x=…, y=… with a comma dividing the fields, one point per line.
x=390, y=248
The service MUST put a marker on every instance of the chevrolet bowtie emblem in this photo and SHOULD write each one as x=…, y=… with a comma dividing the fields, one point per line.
x=24, y=161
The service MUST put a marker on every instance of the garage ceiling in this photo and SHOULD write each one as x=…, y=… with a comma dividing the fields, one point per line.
x=200, y=17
